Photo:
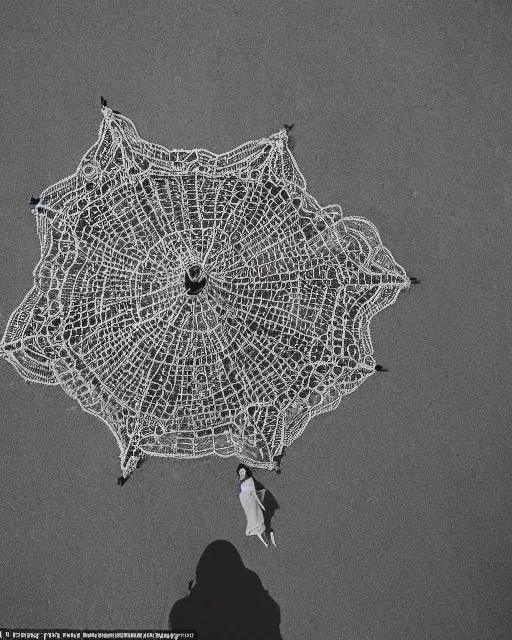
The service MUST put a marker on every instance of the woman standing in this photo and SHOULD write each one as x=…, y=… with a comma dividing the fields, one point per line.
x=252, y=505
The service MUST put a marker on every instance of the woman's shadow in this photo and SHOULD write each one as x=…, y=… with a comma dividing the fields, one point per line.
x=269, y=502
x=227, y=600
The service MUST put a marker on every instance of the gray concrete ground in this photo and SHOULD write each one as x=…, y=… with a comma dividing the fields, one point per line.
x=396, y=508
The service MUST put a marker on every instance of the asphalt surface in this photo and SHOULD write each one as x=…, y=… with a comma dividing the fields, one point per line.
x=395, y=517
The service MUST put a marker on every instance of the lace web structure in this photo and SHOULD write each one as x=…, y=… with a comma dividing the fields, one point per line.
x=198, y=303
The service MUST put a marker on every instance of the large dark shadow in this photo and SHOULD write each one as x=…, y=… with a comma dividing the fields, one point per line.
x=227, y=601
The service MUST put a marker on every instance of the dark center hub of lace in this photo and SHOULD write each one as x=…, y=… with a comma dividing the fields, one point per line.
x=194, y=280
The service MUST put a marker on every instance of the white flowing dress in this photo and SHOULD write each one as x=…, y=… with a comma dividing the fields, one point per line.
x=253, y=511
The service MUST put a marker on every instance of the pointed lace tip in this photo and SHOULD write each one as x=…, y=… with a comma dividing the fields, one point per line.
x=288, y=127
x=103, y=102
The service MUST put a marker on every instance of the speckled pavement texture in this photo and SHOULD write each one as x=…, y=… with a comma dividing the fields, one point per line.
x=395, y=519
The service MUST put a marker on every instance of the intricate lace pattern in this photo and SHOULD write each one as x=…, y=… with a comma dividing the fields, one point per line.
x=198, y=303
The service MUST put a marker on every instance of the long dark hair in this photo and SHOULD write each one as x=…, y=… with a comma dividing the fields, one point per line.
x=248, y=472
